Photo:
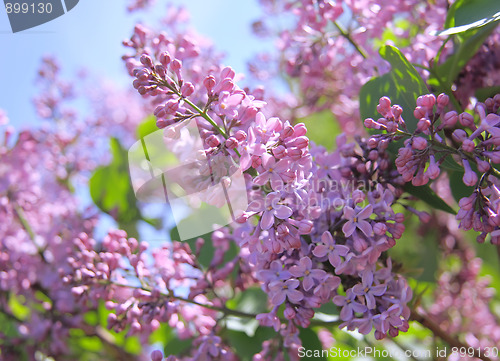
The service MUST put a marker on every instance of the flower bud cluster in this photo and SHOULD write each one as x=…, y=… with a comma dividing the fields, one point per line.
x=442, y=137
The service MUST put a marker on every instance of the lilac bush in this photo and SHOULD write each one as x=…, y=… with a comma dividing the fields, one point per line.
x=335, y=241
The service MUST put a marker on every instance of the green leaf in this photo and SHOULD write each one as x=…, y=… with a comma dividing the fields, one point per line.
x=17, y=306
x=426, y=194
x=468, y=44
x=466, y=15
x=207, y=250
x=450, y=164
x=329, y=308
x=9, y=328
x=112, y=192
x=91, y=343
x=162, y=335
x=322, y=128
x=457, y=186
x=417, y=254
x=146, y=127
x=491, y=265
x=177, y=346
x=310, y=341
x=485, y=93
x=251, y=300
x=402, y=84
x=244, y=325
x=245, y=346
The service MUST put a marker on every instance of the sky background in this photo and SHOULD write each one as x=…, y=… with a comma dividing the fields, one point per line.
x=90, y=36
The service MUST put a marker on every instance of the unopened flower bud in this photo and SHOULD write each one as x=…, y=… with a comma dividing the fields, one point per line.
x=420, y=112
x=187, y=89
x=147, y=61
x=450, y=119
x=443, y=100
x=160, y=70
x=433, y=169
x=470, y=177
x=459, y=135
x=231, y=143
x=468, y=145
x=240, y=135
x=423, y=124
x=165, y=59
x=212, y=141
x=380, y=228
x=209, y=82
x=419, y=143
x=227, y=72
x=482, y=165
x=299, y=130
x=466, y=119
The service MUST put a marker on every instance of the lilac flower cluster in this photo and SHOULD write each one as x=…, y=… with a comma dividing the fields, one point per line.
x=331, y=47
x=119, y=275
x=38, y=214
x=135, y=5
x=308, y=228
x=481, y=72
x=469, y=139
x=143, y=293
x=318, y=225
x=461, y=287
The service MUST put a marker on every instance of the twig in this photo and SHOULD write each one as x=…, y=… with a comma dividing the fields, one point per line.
x=349, y=38
x=443, y=335
x=108, y=339
x=493, y=171
x=22, y=219
x=225, y=310
x=27, y=227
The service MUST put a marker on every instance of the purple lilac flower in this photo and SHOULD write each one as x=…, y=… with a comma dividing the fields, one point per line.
x=356, y=219
x=271, y=207
x=368, y=289
x=349, y=305
x=280, y=291
x=330, y=248
x=304, y=269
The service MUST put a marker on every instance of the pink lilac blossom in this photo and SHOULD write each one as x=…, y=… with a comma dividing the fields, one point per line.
x=462, y=287
x=315, y=232
x=39, y=214
x=472, y=139
x=301, y=208
x=135, y=5
x=330, y=47
x=482, y=70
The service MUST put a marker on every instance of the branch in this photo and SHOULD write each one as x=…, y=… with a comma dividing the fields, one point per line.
x=226, y=311
x=493, y=171
x=443, y=335
x=108, y=340
x=27, y=227
x=349, y=38
x=22, y=219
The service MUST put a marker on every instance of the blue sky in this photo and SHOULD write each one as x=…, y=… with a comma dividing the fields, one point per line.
x=90, y=36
